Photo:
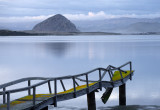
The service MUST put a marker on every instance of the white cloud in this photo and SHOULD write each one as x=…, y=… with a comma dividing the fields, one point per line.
x=103, y=15
x=24, y=18
x=47, y=7
x=90, y=16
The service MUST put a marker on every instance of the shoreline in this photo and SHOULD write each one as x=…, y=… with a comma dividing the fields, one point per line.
x=32, y=33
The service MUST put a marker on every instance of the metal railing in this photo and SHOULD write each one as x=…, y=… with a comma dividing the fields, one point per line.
x=33, y=87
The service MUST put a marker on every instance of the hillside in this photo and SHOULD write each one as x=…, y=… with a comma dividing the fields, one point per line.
x=142, y=27
x=57, y=23
x=115, y=25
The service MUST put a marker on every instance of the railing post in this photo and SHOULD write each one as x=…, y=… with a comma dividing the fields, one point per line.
x=87, y=84
x=76, y=83
x=74, y=86
x=110, y=72
x=45, y=108
x=29, y=84
x=4, y=95
x=122, y=94
x=121, y=76
x=130, y=66
x=49, y=86
x=100, y=80
x=91, y=101
x=55, y=93
x=63, y=85
x=34, y=95
x=8, y=100
x=130, y=70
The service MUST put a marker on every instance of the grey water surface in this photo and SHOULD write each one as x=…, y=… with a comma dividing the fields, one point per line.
x=54, y=56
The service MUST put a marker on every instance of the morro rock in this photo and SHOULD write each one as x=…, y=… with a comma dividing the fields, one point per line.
x=57, y=23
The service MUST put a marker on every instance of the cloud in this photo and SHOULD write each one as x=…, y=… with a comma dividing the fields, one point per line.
x=24, y=18
x=102, y=15
x=48, y=7
x=89, y=16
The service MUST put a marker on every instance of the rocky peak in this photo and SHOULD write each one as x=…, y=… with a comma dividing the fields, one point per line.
x=57, y=23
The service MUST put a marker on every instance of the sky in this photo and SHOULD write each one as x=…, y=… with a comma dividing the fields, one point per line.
x=78, y=9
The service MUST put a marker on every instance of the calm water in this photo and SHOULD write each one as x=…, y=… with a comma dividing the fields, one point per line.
x=52, y=56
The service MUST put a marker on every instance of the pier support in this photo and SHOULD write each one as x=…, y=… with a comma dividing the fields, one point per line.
x=122, y=94
x=46, y=108
x=91, y=101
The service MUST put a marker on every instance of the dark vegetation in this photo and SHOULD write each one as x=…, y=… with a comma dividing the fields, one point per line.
x=29, y=33
x=14, y=33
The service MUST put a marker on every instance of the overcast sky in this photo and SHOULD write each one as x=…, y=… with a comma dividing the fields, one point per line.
x=78, y=9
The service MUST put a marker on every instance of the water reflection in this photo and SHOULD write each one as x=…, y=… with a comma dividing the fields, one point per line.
x=57, y=49
x=129, y=107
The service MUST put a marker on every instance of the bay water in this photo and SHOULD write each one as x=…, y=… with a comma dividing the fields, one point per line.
x=54, y=56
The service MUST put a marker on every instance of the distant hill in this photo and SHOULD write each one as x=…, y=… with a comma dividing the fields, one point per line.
x=57, y=23
x=142, y=27
x=2, y=28
x=115, y=25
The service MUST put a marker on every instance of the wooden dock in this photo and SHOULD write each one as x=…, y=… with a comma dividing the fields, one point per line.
x=118, y=78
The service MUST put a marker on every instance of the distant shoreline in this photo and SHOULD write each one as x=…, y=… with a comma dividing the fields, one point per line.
x=31, y=33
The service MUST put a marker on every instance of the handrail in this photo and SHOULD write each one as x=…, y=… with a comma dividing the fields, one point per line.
x=109, y=69
x=25, y=88
x=124, y=64
x=20, y=81
x=42, y=78
x=105, y=70
x=51, y=79
x=38, y=84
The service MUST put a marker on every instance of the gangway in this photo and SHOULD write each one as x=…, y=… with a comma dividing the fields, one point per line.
x=33, y=101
